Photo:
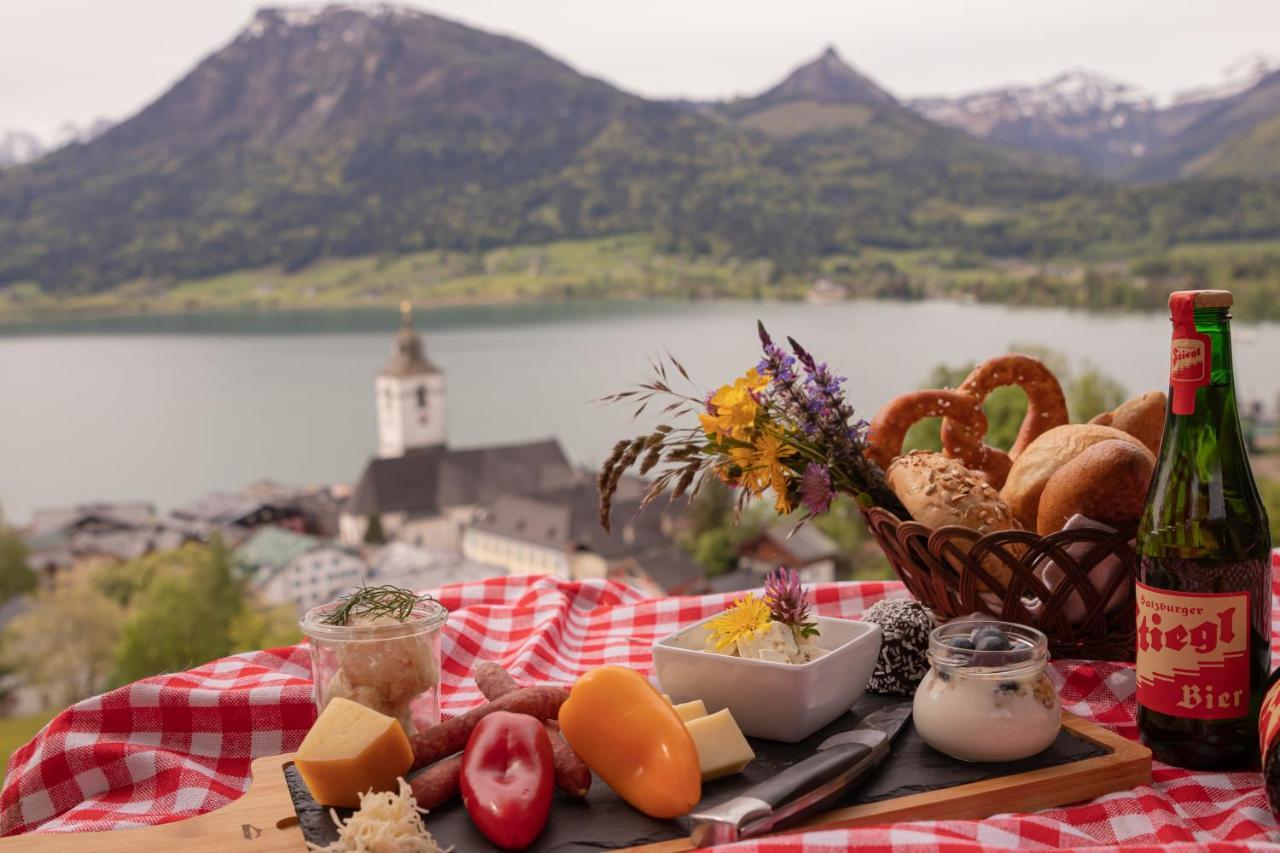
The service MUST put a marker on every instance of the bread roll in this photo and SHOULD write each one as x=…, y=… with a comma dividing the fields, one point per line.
x=939, y=491
x=1035, y=465
x=1143, y=418
x=1107, y=482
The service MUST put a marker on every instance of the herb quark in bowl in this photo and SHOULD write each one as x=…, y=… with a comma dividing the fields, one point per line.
x=380, y=647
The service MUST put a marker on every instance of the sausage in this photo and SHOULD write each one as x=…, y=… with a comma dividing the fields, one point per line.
x=451, y=736
x=438, y=784
x=494, y=681
x=573, y=777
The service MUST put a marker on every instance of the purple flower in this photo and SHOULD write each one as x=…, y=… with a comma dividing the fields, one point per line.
x=815, y=489
x=785, y=597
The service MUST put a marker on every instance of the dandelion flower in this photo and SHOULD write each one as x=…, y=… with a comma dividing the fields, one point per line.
x=745, y=619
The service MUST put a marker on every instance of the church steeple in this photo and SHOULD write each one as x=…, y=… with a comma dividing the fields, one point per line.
x=410, y=395
x=408, y=358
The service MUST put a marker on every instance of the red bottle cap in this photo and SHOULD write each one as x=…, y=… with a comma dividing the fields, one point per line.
x=1191, y=357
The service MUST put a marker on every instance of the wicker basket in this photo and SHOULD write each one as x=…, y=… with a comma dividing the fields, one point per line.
x=944, y=569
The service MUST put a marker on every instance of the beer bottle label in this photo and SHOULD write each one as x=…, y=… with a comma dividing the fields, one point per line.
x=1193, y=653
x=1269, y=718
x=1191, y=358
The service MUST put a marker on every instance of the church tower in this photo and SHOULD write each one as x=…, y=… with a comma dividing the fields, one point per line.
x=411, y=398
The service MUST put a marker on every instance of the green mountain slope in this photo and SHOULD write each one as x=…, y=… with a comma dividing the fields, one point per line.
x=346, y=132
x=1254, y=153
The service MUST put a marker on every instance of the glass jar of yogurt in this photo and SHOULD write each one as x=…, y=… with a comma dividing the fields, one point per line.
x=986, y=696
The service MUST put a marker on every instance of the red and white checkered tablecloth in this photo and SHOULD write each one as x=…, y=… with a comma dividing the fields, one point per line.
x=174, y=746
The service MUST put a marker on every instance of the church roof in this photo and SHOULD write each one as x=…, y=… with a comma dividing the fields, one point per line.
x=428, y=481
x=408, y=358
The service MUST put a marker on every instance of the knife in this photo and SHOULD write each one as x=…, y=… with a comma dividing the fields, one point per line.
x=841, y=760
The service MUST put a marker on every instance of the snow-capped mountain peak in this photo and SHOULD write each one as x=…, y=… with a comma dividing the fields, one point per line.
x=1078, y=113
x=1238, y=76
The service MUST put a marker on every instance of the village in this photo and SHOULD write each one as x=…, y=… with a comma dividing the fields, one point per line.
x=421, y=514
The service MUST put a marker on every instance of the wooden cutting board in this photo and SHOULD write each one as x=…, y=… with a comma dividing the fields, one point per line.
x=264, y=821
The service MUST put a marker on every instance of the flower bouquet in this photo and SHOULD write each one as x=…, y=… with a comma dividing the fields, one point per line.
x=784, y=427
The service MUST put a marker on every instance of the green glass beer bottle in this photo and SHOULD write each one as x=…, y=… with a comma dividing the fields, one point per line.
x=1204, y=549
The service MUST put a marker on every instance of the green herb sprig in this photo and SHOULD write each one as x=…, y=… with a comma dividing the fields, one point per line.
x=374, y=601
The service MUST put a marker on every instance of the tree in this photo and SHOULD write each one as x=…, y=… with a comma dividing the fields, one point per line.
x=262, y=627
x=63, y=645
x=16, y=576
x=1092, y=392
x=373, y=534
x=858, y=556
x=183, y=617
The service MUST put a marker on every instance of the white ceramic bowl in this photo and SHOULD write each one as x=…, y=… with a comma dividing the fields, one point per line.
x=778, y=701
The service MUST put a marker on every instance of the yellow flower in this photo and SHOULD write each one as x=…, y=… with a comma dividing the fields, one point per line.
x=744, y=620
x=781, y=503
x=766, y=464
x=734, y=407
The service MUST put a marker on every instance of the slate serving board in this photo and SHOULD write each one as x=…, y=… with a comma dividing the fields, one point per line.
x=604, y=822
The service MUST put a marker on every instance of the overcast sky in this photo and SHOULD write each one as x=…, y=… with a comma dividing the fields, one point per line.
x=73, y=60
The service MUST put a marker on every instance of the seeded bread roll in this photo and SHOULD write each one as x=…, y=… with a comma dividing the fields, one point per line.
x=939, y=492
x=1107, y=483
x=1032, y=470
x=1142, y=417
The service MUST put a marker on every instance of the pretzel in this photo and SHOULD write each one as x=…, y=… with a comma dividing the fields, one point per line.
x=1046, y=408
x=889, y=426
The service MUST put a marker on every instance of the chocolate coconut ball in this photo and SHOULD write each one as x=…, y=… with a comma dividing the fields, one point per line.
x=905, y=626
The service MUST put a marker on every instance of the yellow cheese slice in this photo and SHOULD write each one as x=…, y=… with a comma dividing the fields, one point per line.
x=687, y=711
x=722, y=748
x=351, y=750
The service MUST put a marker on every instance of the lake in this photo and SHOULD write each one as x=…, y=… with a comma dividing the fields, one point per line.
x=167, y=408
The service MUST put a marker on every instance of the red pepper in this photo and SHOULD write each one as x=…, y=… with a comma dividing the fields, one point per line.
x=508, y=775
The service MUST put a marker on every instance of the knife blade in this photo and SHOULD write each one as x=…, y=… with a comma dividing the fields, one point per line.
x=841, y=760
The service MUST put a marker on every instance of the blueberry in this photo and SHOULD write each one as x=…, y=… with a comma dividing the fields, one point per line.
x=1008, y=686
x=961, y=643
x=987, y=631
x=992, y=643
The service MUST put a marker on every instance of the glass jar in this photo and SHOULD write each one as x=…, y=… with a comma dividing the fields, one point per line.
x=382, y=663
x=987, y=705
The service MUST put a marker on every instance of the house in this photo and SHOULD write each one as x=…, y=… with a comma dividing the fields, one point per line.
x=270, y=549
x=315, y=577
x=559, y=533
x=285, y=567
x=420, y=490
x=233, y=517
x=826, y=292
x=70, y=539
x=807, y=550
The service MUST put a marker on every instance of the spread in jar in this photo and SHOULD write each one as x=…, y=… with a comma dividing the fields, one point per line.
x=986, y=696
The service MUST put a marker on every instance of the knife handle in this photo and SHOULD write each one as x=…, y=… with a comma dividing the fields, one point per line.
x=809, y=774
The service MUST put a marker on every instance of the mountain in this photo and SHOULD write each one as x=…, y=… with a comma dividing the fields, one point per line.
x=22, y=146
x=1222, y=131
x=18, y=146
x=824, y=94
x=1101, y=123
x=1254, y=153
x=1111, y=128
x=345, y=131
x=827, y=79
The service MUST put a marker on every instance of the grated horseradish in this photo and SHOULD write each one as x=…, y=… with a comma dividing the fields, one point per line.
x=386, y=822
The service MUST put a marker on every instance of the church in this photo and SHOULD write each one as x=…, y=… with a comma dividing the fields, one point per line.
x=420, y=490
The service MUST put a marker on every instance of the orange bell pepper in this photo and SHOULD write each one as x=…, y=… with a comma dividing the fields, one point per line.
x=627, y=733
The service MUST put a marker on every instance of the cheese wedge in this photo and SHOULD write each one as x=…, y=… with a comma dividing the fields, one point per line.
x=687, y=711
x=351, y=750
x=722, y=748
